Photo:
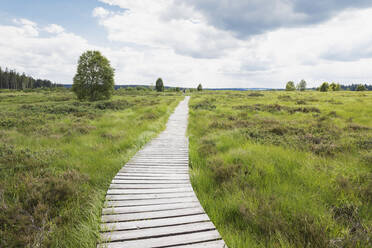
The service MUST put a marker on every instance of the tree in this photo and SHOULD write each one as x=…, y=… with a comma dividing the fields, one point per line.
x=334, y=87
x=290, y=86
x=200, y=87
x=159, y=86
x=361, y=87
x=301, y=86
x=324, y=87
x=94, y=79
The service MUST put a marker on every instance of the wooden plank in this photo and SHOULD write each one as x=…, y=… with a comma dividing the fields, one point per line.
x=162, y=164
x=141, y=224
x=151, y=215
x=149, y=186
x=154, y=169
x=157, y=232
x=154, y=174
x=147, y=191
x=159, y=163
x=146, y=171
x=153, y=177
x=148, y=196
x=140, y=209
x=158, y=168
x=183, y=239
x=147, y=202
x=147, y=181
x=208, y=244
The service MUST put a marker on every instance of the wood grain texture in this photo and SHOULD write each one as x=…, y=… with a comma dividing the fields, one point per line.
x=151, y=203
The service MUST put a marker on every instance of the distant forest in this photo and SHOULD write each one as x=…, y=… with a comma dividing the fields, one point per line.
x=353, y=87
x=10, y=79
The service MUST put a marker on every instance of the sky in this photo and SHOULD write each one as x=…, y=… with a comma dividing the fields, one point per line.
x=220, y=43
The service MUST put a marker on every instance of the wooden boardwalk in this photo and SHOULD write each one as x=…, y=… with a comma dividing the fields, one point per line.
x=151, y=203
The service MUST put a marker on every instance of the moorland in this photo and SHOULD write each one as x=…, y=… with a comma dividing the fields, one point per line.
x=284, y=169
x=58, y=156
x=271, y=168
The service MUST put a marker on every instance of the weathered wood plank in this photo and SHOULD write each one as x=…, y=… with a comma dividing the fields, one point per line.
x=139, y=209
x=160, y=168
x=183, y=239
x=149, y=186
x=209, y=244
x=152, y=170
x=148, y=191
x=144, y=181
x=145, y=202
x=140, y=224
x=151, y=215
x=148, y=196
x=153, y=177
x=157, y=232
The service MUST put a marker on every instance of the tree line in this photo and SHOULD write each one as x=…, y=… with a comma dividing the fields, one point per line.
x=10, y=79
x=324, y=87
x=355, y=87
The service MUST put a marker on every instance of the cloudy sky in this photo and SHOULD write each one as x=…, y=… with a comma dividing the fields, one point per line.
x=219, y=43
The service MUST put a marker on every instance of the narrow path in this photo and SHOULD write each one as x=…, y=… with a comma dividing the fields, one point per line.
x=151, y=203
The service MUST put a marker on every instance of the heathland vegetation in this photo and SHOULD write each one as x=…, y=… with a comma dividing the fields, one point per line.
x=272, y=169
x=284, y=169
x=58, y=156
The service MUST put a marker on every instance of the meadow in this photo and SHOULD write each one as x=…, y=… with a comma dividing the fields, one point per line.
x=284, y=169
x=59, y=155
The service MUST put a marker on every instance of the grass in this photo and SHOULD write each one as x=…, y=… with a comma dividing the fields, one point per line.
x=58, y=156
x=284, y=169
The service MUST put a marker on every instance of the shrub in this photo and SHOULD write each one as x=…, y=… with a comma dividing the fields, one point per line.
x=255, y=94
x=301, y=86
x=361, y=87
x=324, y=87
x=334, y=87
x=159, y=86
x=200, y=87
x=206, y=105
x=94, y=79
x=290, y=86
x=113, y=105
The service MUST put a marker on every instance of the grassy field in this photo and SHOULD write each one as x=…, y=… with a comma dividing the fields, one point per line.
x=284, y=169
x=58, y=156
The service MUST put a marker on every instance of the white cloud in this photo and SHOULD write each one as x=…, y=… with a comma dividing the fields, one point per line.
x=29, y=28
x=144, y=24
x=185, y=49
x=53, y=57
x=100, y=12
x=54, y=29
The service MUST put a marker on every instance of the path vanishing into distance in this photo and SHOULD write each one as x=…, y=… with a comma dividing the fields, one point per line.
x=151, y=203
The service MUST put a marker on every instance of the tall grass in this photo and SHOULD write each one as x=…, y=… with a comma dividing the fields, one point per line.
x=278, y=169
x=58, y=156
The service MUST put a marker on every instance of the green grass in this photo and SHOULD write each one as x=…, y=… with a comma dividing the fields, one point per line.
x=284, y=169
x=58, y=156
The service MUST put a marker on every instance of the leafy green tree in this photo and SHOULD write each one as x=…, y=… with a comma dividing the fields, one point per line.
x=200, y=87
x=94, y=79
x=159, y=86
x=334, y=87
x=301, y=86
x=324, y=87
x=290, y=86
x=361, y=87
